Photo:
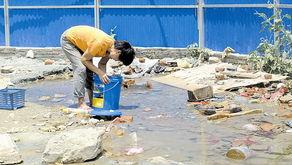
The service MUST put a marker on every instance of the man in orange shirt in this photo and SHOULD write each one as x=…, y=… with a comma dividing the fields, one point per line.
x=81, y=44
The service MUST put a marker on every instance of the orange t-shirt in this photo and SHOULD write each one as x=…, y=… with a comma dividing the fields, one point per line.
x=97, y=41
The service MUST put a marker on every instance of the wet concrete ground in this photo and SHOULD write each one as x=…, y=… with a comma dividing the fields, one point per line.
x=174, y=131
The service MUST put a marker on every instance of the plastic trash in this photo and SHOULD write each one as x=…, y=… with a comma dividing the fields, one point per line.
x=76, y=111
x=134, y=151
x=159, y=69
x=289, y=123
x=238, y=153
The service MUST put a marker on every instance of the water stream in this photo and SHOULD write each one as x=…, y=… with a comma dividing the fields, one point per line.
x=171, y=129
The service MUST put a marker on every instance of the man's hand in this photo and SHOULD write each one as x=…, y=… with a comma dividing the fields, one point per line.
x=104, y=79
x=86, y=59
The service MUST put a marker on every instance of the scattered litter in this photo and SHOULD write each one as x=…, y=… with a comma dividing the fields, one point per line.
x=159, y=69
x=158, y=116
x=49, y=62
x=245, y=142
x=286, y=98
x=267, y=127
x=83, y=122
x=128, y=83
x=30, y=54
x=15, y=130
x=61, y=127
x=47, y=115
x=231, y=68
x=142, y=60
x=70, y=123
x=184, y=63
x=219, y=76
x=219, y=69
x=128, y=70
x=290, y=103
x=254, y=101
x=287, y=115
x=57, y=99
x=149, y=84
x=15, y=139
x=59, y=95
x=120, y=132
x=71, y=115
x=171, y=69
x=38, y=124
x=250, y=127
x=57, y=123
x=7, y=69
x=147, y=109
x=45, y=98
x=93, y=121
x=134, y=151
x=238, y=153
x=127, y=119
x=75, y=110
x=48, y=129
x=220, y=116
x=213, y=60
x=268, y=76
x=289, y=123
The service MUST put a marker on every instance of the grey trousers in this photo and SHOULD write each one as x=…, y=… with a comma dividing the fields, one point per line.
x=82, y=77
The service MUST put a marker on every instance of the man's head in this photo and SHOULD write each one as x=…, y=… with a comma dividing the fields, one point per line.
x=122, y=51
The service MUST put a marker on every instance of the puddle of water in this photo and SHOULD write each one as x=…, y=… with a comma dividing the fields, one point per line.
x=169, y=129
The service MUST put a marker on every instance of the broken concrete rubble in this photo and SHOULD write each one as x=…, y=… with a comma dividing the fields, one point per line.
x=74, y=146
x=286, y=98
x=27, y=69
x=198, y=93
x=204, y=75
x=9, y=152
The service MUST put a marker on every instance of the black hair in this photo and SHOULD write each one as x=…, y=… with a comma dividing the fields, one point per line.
x=127, y=51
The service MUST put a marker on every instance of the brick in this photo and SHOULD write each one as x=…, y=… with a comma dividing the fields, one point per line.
x=219, y=69
x=127, y=119
x=149, y=84
x=244, y=67
x=267, y=127
x=219, y=76
x=142, y=60
x=129, y=70
x=268, y=76
x=49, y=62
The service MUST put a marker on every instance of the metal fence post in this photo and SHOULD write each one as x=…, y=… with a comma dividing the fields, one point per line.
x=276, y=34
x=96, y=12
x=201, y=23
x=6, y=23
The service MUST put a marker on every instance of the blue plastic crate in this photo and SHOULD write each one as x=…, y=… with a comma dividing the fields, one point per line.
x=12, y=98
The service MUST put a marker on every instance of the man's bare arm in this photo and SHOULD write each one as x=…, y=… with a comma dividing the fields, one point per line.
x=86, y=60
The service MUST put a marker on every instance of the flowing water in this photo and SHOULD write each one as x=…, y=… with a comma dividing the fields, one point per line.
x=173, y=130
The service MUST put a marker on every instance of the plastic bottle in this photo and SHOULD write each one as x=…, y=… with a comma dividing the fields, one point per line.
x=76, y=111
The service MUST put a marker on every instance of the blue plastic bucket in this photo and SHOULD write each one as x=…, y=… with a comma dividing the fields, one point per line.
x=106, y=97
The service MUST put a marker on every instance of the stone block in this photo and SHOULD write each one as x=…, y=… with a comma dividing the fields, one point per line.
x=200, y=93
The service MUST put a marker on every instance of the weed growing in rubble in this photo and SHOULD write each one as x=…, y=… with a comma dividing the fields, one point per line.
x=202, y=54
x=274, y=57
